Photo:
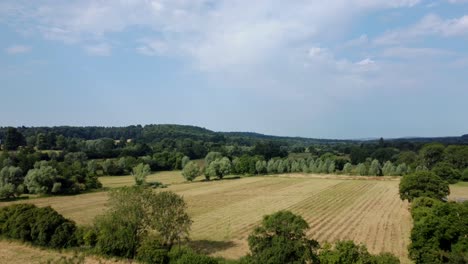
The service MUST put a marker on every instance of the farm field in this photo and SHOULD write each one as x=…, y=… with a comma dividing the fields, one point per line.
x=166, y=177
x=366, y=210
x=459, y=191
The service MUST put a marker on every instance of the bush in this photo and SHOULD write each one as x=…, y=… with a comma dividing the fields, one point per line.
x=40, y=226
x=185, y=255
x=150, y=251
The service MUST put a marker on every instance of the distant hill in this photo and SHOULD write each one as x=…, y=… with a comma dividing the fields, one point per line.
x=154, y=133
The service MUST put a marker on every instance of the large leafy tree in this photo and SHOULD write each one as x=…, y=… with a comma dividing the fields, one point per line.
x=432, y=153
x=140, y=172
x=447, y=172
x=423, y=184
x=218, y=168
x=191, y=171
x=11, y=182
x=43, y=179
x=281, y=238
x=439, y=234
x=136, y=211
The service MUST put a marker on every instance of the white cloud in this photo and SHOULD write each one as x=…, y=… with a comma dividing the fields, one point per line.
x=102, y=49
x=18, y=49
x=215, y=34
x=429, y=25
x=365, y=62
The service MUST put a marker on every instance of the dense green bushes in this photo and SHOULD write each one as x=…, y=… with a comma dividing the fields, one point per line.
x=440, y=231
x=40, y=226
x=347, y=252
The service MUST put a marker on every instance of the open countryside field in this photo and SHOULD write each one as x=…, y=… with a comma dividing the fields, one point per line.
x=366, y=210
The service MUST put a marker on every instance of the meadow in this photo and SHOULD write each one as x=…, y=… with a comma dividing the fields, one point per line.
x=364, y=209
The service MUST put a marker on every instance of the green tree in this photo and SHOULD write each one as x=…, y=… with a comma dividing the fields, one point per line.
x=191, y=171
x=13, y=139
x=43, y=179
x=261, y=166
x=271, y=167
x=345, y=252
x=447, y=172
x=402, y=169
x=348, y=168
x=388, y=169
x=375, y=168
x=457, y=156
x=281, y=238
x=170, y=221
x=184, y=161
x=331, y=167
x=140, y=172
x=11, y=182
x=212, y=156
x=423, y=184
x=432, y=153
x=362, y=169
x=136, y=211
x=218, y=168
x=439, y=232
x=464, y=176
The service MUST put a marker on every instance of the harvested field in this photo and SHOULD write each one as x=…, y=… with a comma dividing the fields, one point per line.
x=459, y=191
x=166, y=177
x=366, y=210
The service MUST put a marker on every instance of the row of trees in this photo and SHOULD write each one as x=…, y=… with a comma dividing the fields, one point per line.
x=73, y=175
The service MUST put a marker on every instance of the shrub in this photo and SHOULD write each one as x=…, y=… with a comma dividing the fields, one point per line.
x=40, y=226
x=185, y=255
x=150, y=251
x=191, y=171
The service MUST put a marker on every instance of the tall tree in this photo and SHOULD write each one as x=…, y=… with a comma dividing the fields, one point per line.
x=13, y=139
x=423, y=184
x=281, y=238
x=140, y=172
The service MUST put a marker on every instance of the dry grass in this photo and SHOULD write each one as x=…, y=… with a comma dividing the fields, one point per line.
x=366, y=210
x=166, y=177
x=17, y=253
x=459, y=191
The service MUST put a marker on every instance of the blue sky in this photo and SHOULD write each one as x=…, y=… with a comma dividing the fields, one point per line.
x=329, y=69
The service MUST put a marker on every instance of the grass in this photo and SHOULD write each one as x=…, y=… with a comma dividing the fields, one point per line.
x=459, y=191
x=364, y=209
x=166, y=177
x=18, y=253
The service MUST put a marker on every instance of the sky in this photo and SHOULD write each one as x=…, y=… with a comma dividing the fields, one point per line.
x=324, y=69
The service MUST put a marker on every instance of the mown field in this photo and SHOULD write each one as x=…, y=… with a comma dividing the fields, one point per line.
x=366, y=210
